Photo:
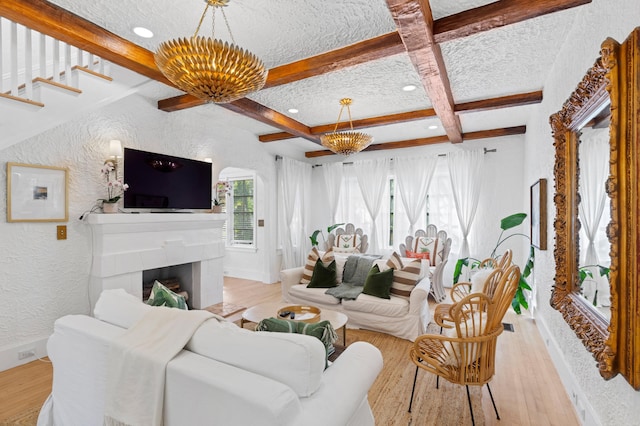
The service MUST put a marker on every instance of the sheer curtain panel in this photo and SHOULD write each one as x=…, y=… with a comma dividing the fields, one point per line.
x=594, y=171
x=372, y=179
x=465, y=171
x=332, y=173
x=295, y=178
x=414, y=177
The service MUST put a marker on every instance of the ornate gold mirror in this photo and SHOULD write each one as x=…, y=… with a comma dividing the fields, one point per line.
x=604, y=109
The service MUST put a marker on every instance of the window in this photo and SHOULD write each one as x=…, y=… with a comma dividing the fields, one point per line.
x=239, y=206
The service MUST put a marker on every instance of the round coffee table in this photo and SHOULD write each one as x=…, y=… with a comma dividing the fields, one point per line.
x=261, y=311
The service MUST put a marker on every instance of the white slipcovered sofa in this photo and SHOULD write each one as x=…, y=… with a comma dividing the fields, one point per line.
x=225, y=376
x=397, y=316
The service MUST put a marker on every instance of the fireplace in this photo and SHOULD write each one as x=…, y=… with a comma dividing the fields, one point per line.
x=127, y=245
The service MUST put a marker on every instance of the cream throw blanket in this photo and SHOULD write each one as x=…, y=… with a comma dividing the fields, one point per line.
x=137, y=364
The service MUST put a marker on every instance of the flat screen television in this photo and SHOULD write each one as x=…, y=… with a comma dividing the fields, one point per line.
x=159, y=182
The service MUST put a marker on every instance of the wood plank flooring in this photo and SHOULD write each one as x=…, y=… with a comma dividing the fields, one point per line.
x=526, y=387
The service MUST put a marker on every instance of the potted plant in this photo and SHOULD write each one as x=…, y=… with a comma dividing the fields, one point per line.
x=217, y=207
x=314, y=237
x=115, y=188
x=222, y=188
x=519, y=300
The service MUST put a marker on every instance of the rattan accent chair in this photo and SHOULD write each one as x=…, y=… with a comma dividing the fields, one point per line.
x=466, y=354
x=441, y=313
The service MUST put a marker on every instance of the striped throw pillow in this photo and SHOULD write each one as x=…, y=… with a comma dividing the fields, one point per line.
x=394, y=261
x=312, y=258
x=405, y=279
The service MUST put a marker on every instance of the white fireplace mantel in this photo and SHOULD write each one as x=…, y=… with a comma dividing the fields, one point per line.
x=125, y=245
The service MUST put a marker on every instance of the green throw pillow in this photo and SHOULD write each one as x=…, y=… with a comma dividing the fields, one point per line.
x=378, y=283
x=162, y=296
x=323, y=276
x=323, y=330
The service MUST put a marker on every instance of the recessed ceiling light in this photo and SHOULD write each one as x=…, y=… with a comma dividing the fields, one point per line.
x=143, y=32
x=409, y=88
x=433, y=126
x=293, y=110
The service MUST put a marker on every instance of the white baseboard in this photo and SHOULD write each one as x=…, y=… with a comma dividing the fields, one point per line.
x=244, y=274
x=584, y=410
x=9, y=357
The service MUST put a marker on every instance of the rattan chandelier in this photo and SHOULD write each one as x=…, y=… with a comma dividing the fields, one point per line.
x=345, y=143
x=208, y=68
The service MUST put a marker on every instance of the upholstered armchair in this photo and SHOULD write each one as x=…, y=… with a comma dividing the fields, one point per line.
x=348, y=240
x=466, y=353
x=435, y=246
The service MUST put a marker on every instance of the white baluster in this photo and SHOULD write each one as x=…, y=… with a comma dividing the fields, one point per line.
x=42, y=69
x=91, y=64
x=14, y=59
x=28, y=64
x=67, y=65
x=2, y=23
x=56, y=61
x=79, y=58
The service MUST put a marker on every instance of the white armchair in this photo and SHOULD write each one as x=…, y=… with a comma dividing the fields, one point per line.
x=439, y=246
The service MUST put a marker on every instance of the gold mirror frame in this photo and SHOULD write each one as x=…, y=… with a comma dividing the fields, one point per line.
x=616, y=75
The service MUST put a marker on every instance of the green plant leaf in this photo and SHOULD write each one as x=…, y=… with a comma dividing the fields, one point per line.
x=530, y=262
x=604, y=271
x=522, y=301
x=523, y=284
x=458, y=269
x=314, y=237
x=334, y=226
x=512, y=221
x=516, y=306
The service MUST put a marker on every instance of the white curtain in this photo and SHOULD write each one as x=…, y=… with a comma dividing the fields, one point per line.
x=372, y=178
x=465, y=171
x=414, y=177
x=594, y=170
x=332, y=173
x=294, y=182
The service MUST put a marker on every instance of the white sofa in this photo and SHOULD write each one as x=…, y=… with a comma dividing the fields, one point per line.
x=397, y=316
x=225, y=375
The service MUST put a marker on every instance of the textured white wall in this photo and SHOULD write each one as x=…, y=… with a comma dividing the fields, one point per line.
x=614, y=401
x=42, y=278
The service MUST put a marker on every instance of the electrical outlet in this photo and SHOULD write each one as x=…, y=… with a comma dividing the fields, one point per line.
x=61, y=232
x=26, y=354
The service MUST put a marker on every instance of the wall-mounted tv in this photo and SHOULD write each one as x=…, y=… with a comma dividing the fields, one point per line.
x=159, y=182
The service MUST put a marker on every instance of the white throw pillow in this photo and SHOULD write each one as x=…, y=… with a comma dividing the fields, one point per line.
x=471, y=327
x=341, y=260
x=478, y=279
x=347, y=243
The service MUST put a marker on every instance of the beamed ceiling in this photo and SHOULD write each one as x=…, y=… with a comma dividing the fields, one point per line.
x=479, y=65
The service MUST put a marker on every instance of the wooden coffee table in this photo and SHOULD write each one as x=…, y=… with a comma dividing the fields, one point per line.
x=259, y=312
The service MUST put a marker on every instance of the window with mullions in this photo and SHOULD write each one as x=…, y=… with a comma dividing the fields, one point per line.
x=240, y=212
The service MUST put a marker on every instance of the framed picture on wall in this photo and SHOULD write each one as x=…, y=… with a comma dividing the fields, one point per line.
x=37, y=193
x=539, y=214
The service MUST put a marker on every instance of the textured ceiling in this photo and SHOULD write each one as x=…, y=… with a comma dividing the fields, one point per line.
x=504, y=61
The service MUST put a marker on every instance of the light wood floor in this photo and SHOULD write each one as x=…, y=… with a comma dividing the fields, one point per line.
x=526, y=387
